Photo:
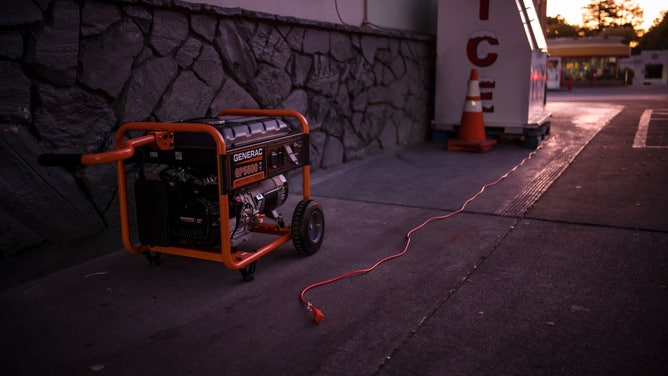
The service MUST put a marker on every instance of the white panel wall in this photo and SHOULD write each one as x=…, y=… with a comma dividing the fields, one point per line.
x=496, y=38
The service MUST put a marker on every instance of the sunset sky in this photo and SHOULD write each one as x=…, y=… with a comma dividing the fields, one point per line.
x=572, y=10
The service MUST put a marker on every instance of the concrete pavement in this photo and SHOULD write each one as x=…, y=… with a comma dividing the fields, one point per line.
x=561, y=268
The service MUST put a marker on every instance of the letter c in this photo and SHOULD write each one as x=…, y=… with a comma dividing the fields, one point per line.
x=472, y=51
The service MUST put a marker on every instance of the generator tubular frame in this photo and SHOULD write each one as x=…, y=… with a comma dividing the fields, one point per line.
x=159, y=135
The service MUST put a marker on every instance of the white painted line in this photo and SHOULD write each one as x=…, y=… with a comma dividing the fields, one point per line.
x=640, y=141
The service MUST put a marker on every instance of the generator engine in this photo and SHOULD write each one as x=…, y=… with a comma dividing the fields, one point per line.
x=192, y=203
x=177, y=205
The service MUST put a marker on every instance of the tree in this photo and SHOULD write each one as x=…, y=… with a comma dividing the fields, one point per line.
x=600, y=14
x=557, y=27
x=626, y=31
x=658, y=20
x=657, y=36
x=630, y=13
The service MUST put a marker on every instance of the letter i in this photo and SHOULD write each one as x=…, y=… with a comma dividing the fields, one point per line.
x=484, y=10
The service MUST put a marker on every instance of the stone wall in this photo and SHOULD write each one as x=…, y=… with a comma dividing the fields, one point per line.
x=72, y=72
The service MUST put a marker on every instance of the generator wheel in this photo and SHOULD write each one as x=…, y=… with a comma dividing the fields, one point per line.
x=308, y=227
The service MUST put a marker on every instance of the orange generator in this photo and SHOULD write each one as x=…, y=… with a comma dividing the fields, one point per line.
x=204, y=185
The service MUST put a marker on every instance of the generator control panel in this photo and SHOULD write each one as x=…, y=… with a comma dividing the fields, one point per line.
x=264, y=160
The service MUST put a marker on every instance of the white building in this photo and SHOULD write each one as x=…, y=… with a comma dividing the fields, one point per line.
x=649, y=68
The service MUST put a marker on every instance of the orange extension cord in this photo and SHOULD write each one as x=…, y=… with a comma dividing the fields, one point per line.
x=319, y=316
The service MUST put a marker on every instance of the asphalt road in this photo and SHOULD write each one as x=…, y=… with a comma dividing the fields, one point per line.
x=561, y=268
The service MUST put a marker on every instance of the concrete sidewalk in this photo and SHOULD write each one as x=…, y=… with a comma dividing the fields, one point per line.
x=561, y=268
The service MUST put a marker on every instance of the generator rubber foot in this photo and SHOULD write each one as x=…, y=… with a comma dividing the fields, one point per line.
x=248, y=271
x=153, y=257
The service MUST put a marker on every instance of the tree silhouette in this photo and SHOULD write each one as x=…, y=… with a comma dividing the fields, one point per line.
x=657, y=36
x=630, y=13
x=600, y=14
x=557, y=27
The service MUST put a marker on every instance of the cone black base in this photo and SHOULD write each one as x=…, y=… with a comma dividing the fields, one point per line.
x=472, y=146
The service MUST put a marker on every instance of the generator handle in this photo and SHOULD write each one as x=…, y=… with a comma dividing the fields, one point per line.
x=55, y=159
x=121, y=154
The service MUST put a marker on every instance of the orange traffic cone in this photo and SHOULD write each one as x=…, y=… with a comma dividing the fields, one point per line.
x=471, y=136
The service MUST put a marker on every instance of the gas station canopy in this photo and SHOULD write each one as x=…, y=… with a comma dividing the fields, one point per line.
x=579, y=47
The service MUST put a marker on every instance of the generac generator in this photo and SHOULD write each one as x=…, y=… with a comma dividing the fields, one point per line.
x=205, y=185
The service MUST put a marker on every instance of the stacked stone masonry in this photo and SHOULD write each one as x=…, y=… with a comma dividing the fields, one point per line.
x=73, y=71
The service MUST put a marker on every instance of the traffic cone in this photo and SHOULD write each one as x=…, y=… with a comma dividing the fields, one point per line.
x=471, y=136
